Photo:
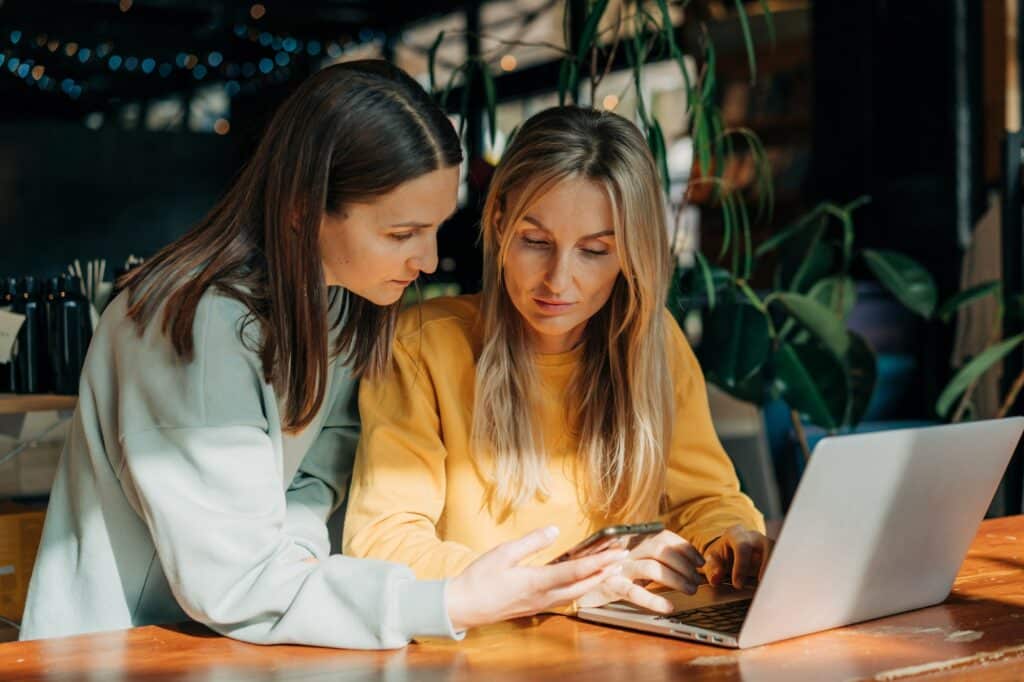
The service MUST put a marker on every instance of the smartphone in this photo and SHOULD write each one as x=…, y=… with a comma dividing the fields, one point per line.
x=612, y=537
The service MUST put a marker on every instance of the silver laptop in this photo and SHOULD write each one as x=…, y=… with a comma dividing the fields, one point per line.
x=880, y=524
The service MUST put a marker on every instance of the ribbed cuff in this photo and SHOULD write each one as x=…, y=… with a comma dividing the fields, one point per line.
x=423, y=609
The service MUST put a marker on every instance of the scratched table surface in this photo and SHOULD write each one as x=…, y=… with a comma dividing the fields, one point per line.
x=977, y=634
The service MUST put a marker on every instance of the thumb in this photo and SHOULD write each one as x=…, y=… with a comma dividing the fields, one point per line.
x=716, y=562
x=515, y=551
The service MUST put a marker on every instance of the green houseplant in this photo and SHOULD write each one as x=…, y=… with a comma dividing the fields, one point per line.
x=791, y=341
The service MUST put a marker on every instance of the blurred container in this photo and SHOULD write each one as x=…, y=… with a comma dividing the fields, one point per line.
x=69, y=329
x=31, y=363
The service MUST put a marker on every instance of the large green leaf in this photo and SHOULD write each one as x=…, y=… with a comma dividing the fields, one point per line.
x=969, y=295
x=978, y=365
x=566, y=79
x=769, y=21
x=702, y=286
x=811, y=381
x=805, y=222
x=656, y=141
x=837, y=293
x=736, y=343
x=907, y=279
x=861, y=375
x=590, y=30
x=808, y=259
x=748, y=40
x=821, y=322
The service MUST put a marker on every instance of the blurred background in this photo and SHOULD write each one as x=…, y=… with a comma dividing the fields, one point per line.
x=842, y=180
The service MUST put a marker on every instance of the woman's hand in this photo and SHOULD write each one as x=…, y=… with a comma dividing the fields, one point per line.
x=495, y=587
x=739, y=554
x=666, y=559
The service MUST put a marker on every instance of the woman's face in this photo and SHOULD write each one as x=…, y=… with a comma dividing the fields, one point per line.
x=377, y=249
x=562, y=263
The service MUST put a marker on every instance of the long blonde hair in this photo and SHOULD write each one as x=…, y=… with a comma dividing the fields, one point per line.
x=621, y=393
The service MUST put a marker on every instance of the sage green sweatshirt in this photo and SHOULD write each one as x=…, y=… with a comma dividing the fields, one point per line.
x=179, y=496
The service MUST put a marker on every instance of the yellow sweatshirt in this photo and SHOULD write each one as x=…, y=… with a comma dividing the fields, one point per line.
x=417, y=497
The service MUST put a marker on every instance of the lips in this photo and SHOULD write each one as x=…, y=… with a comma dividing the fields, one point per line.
x=553, y=306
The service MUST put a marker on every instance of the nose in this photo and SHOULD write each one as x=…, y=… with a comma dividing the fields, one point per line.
x=426, y=259
x=559, y=274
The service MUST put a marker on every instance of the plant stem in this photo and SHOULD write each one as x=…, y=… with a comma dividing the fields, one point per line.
x=1011, y=397
x=993, y=336
x=800, y=435
x=965, y=399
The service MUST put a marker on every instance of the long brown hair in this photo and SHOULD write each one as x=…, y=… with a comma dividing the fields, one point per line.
x=351, y=132
x=622, y=399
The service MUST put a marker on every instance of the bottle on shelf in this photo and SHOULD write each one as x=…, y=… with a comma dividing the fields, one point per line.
x=30, y=362
x=72, y=331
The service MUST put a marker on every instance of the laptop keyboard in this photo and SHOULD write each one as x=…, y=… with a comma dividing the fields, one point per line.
x=727, y=617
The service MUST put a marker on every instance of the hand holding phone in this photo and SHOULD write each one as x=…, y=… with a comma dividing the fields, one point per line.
x=656, y=557
x=625, y=536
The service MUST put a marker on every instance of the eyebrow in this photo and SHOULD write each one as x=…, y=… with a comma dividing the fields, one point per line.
x=604, y=233
x=418, y=225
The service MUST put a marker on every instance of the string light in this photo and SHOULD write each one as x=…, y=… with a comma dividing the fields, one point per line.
x=508, y=63
x=257, y=11
x=274, y=68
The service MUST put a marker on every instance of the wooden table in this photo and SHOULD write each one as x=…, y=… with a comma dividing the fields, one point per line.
x=977, y=634
x=15, y=403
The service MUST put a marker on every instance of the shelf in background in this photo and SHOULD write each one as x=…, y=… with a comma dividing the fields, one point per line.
x=14, y=403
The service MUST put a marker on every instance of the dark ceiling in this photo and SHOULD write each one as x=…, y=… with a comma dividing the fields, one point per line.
x=80, y=55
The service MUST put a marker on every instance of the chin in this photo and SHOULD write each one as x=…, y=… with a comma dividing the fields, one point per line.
x=381, y=298
x=548, y=327
x=385, y=299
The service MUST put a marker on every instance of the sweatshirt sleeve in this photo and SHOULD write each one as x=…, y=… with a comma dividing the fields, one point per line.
x=703, y=492
x=206, y=481
x=321, y=483
x=399, y=479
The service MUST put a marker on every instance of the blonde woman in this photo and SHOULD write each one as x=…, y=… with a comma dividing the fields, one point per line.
x=564, y=393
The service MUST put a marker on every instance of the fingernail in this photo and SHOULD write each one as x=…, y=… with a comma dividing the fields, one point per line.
x=621, y=554
x=614, y=569
x=551, y=531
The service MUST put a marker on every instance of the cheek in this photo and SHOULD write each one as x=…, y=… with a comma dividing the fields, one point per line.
x=600, y=281
x=520, y=270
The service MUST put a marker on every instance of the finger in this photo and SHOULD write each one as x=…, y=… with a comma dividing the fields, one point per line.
x=633, y=593
x=680, y=562
x=569, y=572
x=649, y=569
x=564, y=595
x=766, y=550
x=688, y=551
x=716, y=568
x=741, y=563
x=665, y=544
x=515, y=551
